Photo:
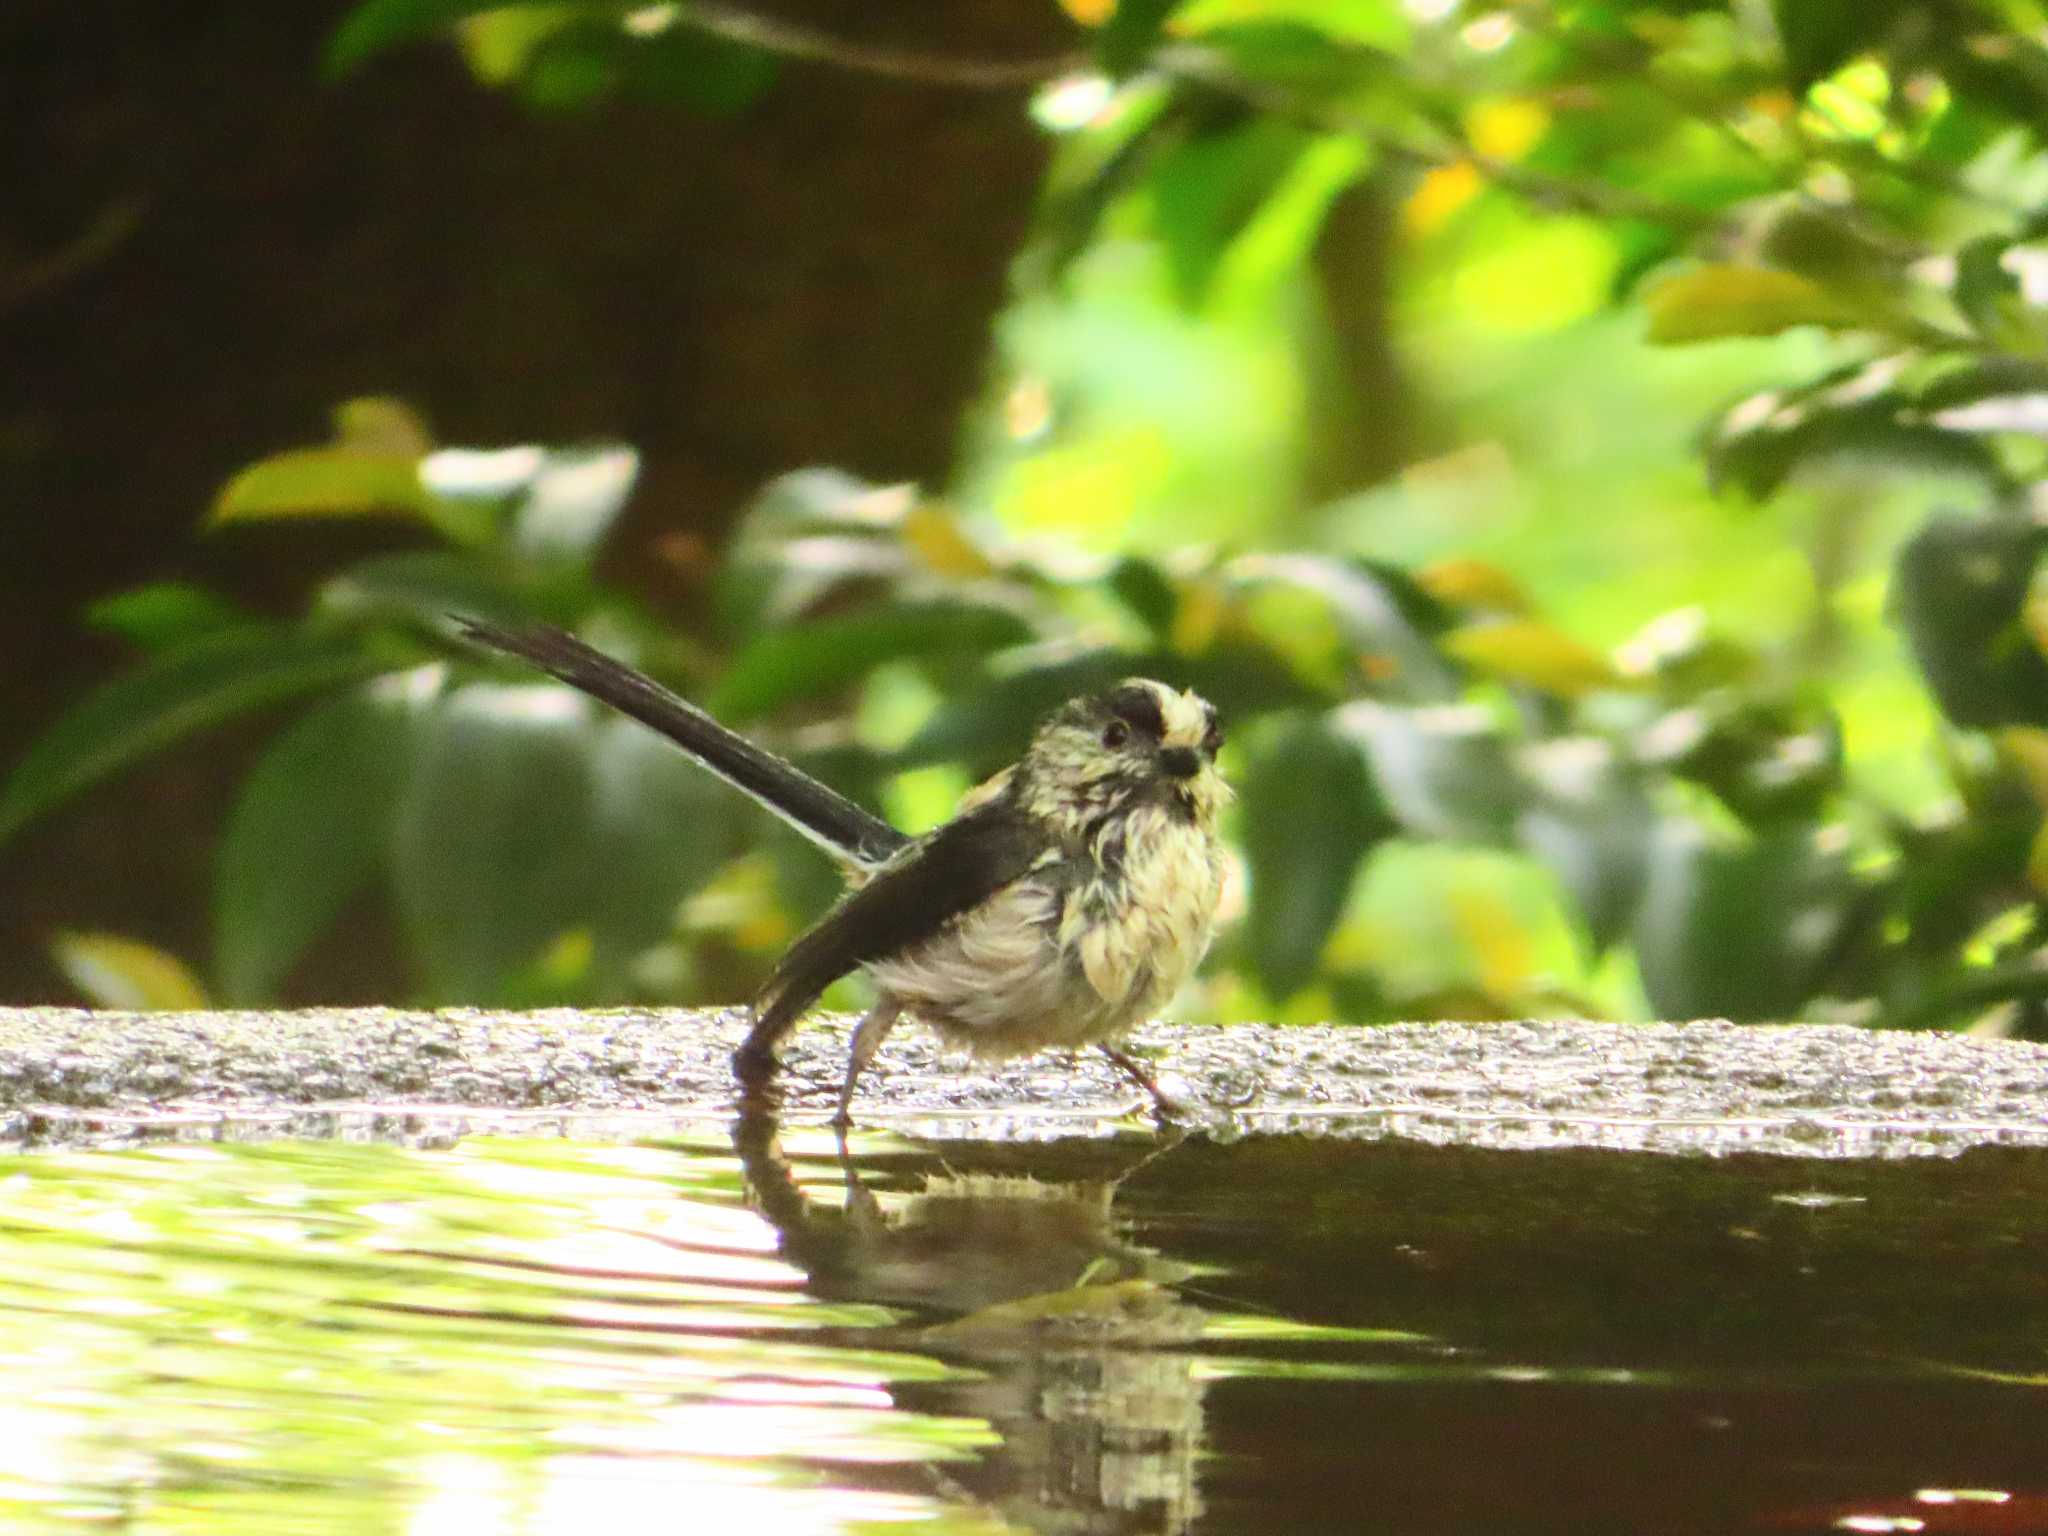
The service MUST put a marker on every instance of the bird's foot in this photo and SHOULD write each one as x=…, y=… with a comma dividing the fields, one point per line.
x=1167, y=1106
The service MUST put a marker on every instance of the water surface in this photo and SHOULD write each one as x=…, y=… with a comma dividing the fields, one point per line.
x=745, y=1329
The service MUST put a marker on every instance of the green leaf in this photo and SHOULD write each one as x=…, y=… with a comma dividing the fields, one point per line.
x=371, y=469
x=422, y=587
x=1310, y=816
x=179, y=690
x=1443, y=771
x=1959, y=590
x=807, y=534
x=799, y=661
x=1208, y=189
x=1998, y=394
x=1147, y=591
x=1768, y=438
x=572, y=501
x=524, y=821
x=1819, y=36
x=1590, y=823
x=1739, y=931
x=164, y=613
x=566, y=57
x=323, y=482
x=986, y=727
x=1340, y=30
x=1714, y=302
x=1093, y=168
x=125, y=973
x=1127, y=39
x=376, y=25
x=1533, y=654
x=1388, y=622
x=309, y=828
x=1767, y=757
x=684, y=65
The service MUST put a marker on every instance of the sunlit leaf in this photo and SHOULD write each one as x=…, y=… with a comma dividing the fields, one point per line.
x=1373, y=23
x=181, y=689
x=1463, y=582
x=572, y=501
x=309, y=828
x=1710, y=303
x=323, y=482
x=114, y=972
x=942, y=544
x=1207, y=190
x=370, y=469
x=1532, y=653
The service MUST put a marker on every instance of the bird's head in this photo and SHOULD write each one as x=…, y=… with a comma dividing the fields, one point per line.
x=1139, y=742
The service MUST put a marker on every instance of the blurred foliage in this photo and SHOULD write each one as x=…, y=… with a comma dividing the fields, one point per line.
x=1665, y=678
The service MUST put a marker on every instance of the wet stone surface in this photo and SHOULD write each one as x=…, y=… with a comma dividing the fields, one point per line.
x=1804, y=1090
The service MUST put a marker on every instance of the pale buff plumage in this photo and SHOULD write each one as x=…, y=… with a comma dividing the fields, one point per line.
x=1046, y=963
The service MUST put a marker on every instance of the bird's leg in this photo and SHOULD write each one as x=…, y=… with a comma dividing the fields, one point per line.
x=1167, y=1106
x=866, y=1041
x=862, y=1208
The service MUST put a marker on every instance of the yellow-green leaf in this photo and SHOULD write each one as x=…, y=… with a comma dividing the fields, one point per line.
x=2026, y=748
x=371, y=468
x=114, y=972
x=322, y=482
x=1462, y=582
x=939, y=540
x=1709, y=303
x=1533, y=653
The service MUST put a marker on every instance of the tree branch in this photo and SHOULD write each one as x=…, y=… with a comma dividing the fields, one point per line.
x=793, y=40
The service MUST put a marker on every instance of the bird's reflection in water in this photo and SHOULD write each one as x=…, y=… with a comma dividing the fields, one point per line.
x=1032, y=1283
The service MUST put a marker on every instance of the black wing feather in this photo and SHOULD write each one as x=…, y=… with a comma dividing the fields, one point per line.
x=954, y=870
x=824, y=815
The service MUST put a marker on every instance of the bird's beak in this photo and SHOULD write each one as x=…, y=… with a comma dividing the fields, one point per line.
x=1179, y=762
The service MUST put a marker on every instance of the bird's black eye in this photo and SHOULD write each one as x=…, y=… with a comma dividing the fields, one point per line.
x=1212, y=739
x=1115, y=734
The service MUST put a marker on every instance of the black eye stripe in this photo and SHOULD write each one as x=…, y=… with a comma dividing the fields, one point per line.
x=1139, y=709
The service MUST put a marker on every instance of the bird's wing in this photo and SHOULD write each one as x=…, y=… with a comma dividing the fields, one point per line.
x=950, y=872
x=823, y=815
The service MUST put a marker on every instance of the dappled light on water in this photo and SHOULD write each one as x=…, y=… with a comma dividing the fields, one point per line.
x=752, y=1329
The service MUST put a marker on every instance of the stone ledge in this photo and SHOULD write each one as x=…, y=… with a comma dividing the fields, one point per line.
x=1814, y=1090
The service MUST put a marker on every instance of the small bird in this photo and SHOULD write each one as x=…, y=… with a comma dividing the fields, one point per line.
x=1066, y=900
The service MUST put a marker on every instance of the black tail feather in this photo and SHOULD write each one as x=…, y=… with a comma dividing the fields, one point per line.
x=824, y=815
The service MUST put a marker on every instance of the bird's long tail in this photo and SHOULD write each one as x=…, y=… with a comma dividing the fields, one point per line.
x=824, y=815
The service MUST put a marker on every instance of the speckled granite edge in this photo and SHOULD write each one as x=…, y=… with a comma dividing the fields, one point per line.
x=1705, y=1088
